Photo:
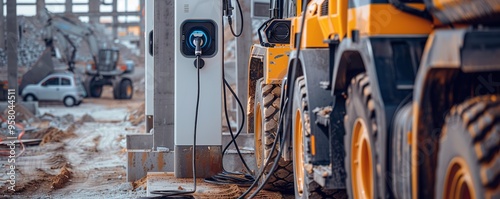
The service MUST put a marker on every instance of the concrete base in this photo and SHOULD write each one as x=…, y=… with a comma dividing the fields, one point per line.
x=140, y=141
x=232, y=161
x=140, y=162
x=208, y=161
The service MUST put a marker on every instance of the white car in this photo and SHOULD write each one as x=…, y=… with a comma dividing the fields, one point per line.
x=61, y=86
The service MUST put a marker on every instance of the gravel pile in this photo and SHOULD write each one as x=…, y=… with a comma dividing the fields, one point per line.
x=31, y=44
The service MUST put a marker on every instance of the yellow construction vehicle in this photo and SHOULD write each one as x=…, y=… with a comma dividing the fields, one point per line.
x=388, y=98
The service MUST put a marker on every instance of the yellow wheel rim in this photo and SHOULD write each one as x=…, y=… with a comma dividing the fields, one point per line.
x=258, y=135
x=458, y=182
x=361, y=162
x=298, y=156
x=129, y=90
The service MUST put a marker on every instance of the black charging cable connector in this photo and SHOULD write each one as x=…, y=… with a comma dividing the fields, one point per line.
x=198, y=42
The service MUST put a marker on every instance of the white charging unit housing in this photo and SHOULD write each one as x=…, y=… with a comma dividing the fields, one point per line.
x=198, y=18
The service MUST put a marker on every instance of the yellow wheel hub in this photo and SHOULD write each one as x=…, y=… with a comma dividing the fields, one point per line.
x=298, y=156
x=458, y=181
x=361, y=162
x=258, y=135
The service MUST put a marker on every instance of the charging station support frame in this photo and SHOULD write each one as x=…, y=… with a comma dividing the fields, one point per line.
x=154, y=152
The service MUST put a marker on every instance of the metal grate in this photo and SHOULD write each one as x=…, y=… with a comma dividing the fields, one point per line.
x=324, y=8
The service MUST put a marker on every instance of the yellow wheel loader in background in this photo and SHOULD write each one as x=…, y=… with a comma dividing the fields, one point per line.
x=391, y=98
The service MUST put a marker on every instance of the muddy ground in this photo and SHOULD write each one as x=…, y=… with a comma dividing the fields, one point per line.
x=82, y=151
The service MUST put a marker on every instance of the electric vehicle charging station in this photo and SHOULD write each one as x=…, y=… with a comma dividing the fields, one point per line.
x=198, y=20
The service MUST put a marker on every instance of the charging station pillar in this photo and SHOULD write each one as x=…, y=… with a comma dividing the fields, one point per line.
x=198, y=18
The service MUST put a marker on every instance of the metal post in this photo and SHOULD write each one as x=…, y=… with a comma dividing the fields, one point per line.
x=146, y=152
x=115, y=19
x=40, y=6
x=2, y=25
x=94, y=9
x=243, y=44
x=142, y=26
x=149, y=64
x=68, y=6
x=164, y=74
x=12, y=38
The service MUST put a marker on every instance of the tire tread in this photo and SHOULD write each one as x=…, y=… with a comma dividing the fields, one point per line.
x=282, y=177
x=481, y=118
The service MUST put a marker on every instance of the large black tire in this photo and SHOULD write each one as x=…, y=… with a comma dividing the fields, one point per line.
x=469, y=150
x=306, y=187
x=123, y=90
x=361, y=127
x=267, y=110
x=93, y=88
x=116, y=89
x=400, y=174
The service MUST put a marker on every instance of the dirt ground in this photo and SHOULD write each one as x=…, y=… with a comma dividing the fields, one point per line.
x=82, y=152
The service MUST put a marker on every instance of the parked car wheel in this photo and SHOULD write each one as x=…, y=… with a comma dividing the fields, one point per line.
x=30, y=98
x=69, y=101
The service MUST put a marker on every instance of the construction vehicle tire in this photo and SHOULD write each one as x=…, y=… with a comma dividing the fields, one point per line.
x=267, y=110
x=400, y=153
x=116, y=89
x=360, y=139
x=94, y=89
x=126, y=89
x=469, y=151
x=305, y=186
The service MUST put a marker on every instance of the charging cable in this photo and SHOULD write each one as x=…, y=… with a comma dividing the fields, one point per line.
x=229, y=177
x=285, y=115
x=228, y=8
x=198, y=42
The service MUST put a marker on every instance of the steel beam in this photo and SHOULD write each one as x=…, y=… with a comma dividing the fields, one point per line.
x=113, y=14
x=40, y=6
x=152, y=152
x=142, y=26
x=50, y=4
x=93, y=11
x=115, y=19
x=2, y=26
x=164, y=74
x=243, y=44
x=68, y=6
x=12, y=38
x=123, y=24
x=149, y=65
